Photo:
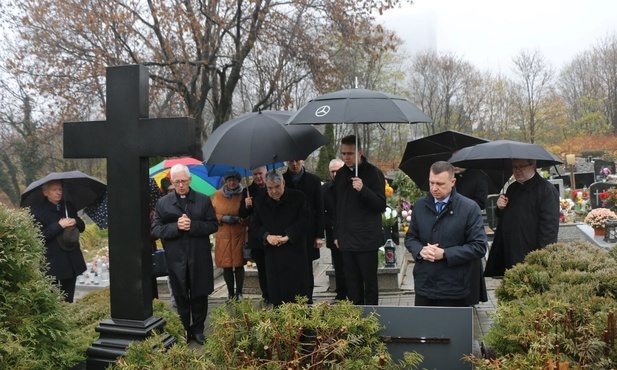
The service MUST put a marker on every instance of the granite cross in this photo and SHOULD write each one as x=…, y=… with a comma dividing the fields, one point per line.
x=126, y=139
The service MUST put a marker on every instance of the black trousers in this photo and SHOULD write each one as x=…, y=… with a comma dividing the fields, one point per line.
x=424, y=301
x=67, y=286
x=361, y=277
x=337, y=262
x=192, y=310
x=260, y=259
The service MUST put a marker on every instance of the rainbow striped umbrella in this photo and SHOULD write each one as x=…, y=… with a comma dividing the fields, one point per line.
x=201, y=181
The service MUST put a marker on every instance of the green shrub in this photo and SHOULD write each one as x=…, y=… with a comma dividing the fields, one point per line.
x=33, y=329
x=291, y=336
x=556, y=306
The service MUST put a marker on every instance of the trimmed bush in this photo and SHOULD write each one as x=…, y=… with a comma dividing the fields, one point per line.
x=556, y=307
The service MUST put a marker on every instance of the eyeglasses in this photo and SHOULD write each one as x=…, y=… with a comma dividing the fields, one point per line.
x=181, y=182
x=520, y=168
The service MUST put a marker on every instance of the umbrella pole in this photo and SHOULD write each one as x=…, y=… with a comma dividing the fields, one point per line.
x=355, y=129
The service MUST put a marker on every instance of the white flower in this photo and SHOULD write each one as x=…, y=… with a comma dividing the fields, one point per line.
x=408, y=218
x=404, y=213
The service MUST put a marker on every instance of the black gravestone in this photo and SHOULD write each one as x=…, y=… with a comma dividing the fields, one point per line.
x=595, y=190
x=126, y=139
x=443, y=335
x=599, y=165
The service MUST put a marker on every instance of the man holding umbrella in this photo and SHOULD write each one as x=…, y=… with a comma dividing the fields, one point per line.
x=528, y=218
x=360, y=201
x=65, y=259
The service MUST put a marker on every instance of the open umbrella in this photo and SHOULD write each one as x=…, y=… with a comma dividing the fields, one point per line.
x=201, y=181
x=259, y=139
x=421, y=153
x=358, y=106
x=98, y=211
x=497, y=156
x=77, y=188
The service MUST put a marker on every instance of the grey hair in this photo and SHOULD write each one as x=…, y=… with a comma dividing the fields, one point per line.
x=274, y=176
x=46, y=185
x=336, y=161
x=179, y=168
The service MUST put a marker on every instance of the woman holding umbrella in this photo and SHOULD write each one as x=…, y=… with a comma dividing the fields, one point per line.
x=230, y=235
x=56, y=218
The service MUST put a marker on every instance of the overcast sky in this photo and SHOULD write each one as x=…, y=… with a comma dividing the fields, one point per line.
x=488, y=33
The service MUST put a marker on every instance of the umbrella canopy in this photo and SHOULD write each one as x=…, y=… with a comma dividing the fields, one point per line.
x=358, y=106
x=421, y=153
x=98, y=210
x=220, y=169
x=497, y=156
x=201, y=179
x=77, y=188
x=259, y=139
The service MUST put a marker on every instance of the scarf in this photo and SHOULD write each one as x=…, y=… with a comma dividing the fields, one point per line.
x=229, y=193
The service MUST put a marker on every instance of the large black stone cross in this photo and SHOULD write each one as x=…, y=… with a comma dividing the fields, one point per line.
x=126, y=139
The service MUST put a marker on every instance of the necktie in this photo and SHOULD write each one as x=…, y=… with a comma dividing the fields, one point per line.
x=440, y=206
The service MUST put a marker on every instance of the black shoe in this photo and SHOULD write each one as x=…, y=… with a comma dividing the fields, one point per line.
x=199, y=339
x=239, y=297
x=229, y=298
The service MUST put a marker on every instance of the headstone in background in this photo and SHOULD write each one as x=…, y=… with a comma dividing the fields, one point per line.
x=583, y=179
x=491, y=209
x=599, y=165
x=595, y=190
x=558, y=185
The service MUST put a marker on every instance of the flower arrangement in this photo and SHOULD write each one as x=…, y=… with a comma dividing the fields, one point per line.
x=605, y=171
x=406, y=214
x=609, y=197
x=389, y=217
x=598, y=216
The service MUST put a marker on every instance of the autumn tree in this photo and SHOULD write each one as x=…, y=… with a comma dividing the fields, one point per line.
x=196, y=50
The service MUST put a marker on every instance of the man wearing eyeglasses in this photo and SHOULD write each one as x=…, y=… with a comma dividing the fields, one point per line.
x=528, y=218
x=184, y=220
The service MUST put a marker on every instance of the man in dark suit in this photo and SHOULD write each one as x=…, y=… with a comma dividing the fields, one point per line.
x=55, y=215
x=329, y=200
x=297, y=177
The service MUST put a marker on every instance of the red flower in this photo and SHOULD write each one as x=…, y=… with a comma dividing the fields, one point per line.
x=585, y=194
x=574, y=194
x=604, y=195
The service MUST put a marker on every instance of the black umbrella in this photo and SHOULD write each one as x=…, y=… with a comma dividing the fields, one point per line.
x=260, y=138
x=498, y=155
x=358, y=106
x=98, y=212
x=421, y=153
x=77, y=188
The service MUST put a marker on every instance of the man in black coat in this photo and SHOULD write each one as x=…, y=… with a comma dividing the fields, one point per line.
x=445, y=236
x=360, y=201
x=473, y=184
x=528, y=218
x=329, y=222
x=54, y=216
x=253, y=191
x=184, y=220
x=279, y=222
x=298, y=178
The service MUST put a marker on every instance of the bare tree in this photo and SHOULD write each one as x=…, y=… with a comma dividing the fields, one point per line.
x=532, y=90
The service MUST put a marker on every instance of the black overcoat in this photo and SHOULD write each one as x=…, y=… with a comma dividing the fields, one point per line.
x=310, y=185
x=287, y=264
x=62, y=264
x=188, y=253
x=473, y=184
x=358, y=213
x=530, y=221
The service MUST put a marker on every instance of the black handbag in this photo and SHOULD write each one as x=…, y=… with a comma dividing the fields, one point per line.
x=159, y=264
x=246, y=249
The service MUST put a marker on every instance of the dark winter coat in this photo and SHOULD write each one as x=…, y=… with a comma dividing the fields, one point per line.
x=188, y=253
x=255, y=192
x=310, y=185
x=529, y=222
x=358, y=214
x=329, y=205
x=287, y=264
x=459, y=231
x=473, y=184
x=62, y=264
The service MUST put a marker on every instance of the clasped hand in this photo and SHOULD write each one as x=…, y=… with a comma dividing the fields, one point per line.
x=277, y=240
x=431, y=252
x=184, y=223
x=67, y=222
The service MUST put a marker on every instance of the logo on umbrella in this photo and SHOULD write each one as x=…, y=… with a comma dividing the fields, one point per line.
x=322, y=111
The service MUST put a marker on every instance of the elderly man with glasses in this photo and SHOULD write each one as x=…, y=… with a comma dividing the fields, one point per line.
x=528, y=218
x=184, y=220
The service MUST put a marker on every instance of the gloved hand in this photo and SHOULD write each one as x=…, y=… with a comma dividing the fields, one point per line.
x=229, y=219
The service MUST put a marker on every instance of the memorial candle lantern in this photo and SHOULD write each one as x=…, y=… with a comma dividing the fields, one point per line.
x=610, y=235
x=390, y=253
